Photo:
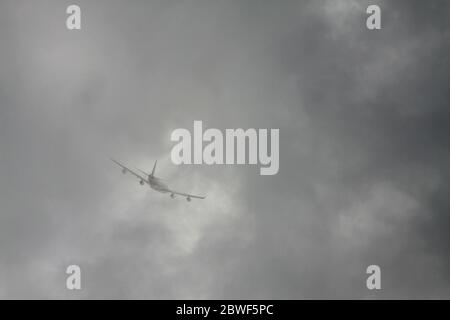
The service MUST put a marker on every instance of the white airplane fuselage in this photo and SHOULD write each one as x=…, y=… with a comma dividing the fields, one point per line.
x=158, y=185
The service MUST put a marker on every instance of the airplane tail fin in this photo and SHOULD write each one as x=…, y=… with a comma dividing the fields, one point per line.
x=154, y=167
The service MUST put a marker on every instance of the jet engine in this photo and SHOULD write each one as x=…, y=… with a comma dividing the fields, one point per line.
x=172, y=196
x=124, y=171
x=141, y=182
x=188, y=199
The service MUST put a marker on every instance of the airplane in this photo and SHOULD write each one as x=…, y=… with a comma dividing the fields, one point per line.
x=154, y=182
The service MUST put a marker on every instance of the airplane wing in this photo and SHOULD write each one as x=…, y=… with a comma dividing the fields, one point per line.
x=125, y=170
x=186, y=195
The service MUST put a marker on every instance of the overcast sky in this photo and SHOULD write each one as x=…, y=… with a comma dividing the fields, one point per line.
x=364, y=149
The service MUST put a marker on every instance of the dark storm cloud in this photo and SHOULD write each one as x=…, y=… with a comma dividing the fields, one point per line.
x=363, y=149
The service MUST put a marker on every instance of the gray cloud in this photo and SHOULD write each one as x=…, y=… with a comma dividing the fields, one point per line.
x=363, y=149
